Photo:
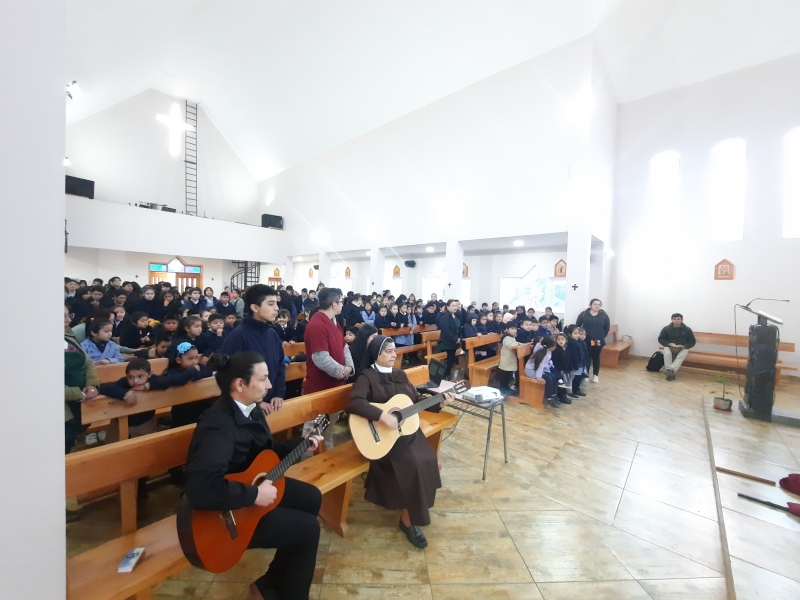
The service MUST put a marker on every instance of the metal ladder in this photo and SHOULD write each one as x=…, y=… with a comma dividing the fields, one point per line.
x=190, y=159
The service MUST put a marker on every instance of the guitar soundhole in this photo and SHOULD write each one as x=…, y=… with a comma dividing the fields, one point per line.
x=400, y=420
x=259, y=479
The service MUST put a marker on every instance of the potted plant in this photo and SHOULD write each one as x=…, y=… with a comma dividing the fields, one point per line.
x=723, y=402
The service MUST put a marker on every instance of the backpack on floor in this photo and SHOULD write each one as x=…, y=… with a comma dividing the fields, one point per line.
x=656, y=362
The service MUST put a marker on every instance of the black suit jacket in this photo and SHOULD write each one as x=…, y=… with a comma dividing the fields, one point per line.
x=225, y=441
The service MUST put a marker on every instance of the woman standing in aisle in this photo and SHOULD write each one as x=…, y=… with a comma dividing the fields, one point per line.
x=596, y=323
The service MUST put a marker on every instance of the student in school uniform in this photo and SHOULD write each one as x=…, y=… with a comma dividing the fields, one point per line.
x=525, y=332
x=562, y=363
x=311, y=300
x=470, y=328
x=194, y=302
x=383, y=320
x=99, y=346
x=402, y=321
x=430, y=314
x=149, y=304
x=367, y=314
x=575, y=351
x=508, y=358
x=211, y=339
x=161, y=344
x=118, y=315
x=284, y=327
x=224, y=305
x=540, y=365
x=137, y=333
x=208, y=297
x=300, y=327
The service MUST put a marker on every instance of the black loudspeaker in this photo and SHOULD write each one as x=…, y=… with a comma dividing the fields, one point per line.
x=79, y=187
x=410, y=264
x=762, y=356
x=316, y=267
x=272, y=221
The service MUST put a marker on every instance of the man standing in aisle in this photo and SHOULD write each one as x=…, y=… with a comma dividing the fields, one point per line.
x=329, y=363
x=677, y=339
x=257, y=334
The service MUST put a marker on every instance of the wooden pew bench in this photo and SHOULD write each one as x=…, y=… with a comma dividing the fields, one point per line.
x=700, y=361
x=612, y=352
x=481, y=372
x=473, y=343
x=116, y=371
x=531, y=391
x=92, y=575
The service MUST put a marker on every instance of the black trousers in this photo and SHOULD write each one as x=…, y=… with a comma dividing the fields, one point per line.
x=594, y=353
x=504, y=377
x=293, y=529
x=451, y=360
x=576, y=382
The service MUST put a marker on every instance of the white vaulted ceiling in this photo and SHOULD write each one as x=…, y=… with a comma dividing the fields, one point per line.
x=284, y=80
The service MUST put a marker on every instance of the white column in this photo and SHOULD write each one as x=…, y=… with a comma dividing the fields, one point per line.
x=454, y=263
x=324, y=268
x=288, y=271
x=579, y=249
x=377, y=259
x=33, y=73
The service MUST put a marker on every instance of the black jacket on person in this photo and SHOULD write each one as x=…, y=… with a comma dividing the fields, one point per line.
x=286, y=333
x=429, y=318
x=224, y=310
x=562, y=360
x=450, y=327
x=596, y=326
x=300, y=331
x=575, y=353
x=225, y=441
x=352, y=315
x=131, y=336
x=681, y=336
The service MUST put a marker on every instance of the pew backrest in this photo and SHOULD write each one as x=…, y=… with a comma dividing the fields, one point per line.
x=728, y=339
x=476, y=342
x=116, y=371
x=292, y=350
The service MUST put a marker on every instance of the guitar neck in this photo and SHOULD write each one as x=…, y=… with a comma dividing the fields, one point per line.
x=420, y=406
x=293, y=457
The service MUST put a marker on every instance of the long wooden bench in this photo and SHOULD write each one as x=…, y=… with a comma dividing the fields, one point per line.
x=531, y=391
x=699, y=361
x=612, y=352
x=92, y=575
x=116, y=371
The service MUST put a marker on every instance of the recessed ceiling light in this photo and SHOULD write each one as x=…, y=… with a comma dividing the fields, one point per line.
x=67, y=162
x=429, y=249
x=298, y=258
x=369, y=252
x=518, y=243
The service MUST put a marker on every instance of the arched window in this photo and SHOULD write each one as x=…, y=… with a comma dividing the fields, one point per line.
x=664, y=183
x=728, y=182
x=791, y=184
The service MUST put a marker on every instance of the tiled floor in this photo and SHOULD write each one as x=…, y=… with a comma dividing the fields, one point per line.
x=764, y=543
x=611, y=497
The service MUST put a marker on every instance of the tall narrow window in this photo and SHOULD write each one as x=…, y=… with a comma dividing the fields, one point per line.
x=663, y=185
x=791, y=184
x=728, y=181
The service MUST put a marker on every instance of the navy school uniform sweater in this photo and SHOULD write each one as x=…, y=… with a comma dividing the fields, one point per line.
x=382, y=322
x=562, y=360
x=470, y=330
x=261, y=337
x=210, y=342
x=300, y=331
x=224, y=310
x=131, y=336
x=285, y=332
x=575, y=353
x=523, y=336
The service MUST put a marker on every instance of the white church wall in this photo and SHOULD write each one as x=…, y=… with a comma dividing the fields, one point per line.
x=112, y=226
x=484, y=160
x=664, y=259
x=124, y=149
x=33, y=72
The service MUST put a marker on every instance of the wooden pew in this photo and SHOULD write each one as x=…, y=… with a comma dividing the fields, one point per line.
x=92, y=575
x=699, y=361
x=430, y=339
x=531, y=391
x=488, y=339
x=295, y=371
x=104, y=408
x=292, y=350
x=116, y=371
x=480, y=372
x=612, y=352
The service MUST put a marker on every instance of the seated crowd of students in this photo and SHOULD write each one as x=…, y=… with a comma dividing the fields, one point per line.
x=123, y=322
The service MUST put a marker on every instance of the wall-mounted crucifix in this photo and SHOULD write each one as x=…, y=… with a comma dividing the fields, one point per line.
x=575, y=286
x=449, y=284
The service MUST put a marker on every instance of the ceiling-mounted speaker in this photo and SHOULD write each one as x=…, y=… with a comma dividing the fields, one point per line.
x=272, y=221
x=410, y=264
x=316, y=267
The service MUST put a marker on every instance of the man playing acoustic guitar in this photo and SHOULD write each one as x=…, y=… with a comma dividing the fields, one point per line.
x=228, y=438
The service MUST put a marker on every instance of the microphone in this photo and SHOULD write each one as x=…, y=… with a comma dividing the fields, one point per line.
x=767, y=299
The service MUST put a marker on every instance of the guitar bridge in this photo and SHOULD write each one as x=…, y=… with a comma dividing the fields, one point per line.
x=374, y=432
x=230, y=523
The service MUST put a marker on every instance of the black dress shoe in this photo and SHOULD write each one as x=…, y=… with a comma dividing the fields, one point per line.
x=414, y=535
x=579, y=393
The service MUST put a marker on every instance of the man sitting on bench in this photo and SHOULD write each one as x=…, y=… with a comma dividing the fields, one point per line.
x=677, y=339
x=229, y=436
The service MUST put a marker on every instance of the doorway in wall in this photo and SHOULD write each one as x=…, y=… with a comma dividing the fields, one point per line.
x=176, y=272
x=274, y=281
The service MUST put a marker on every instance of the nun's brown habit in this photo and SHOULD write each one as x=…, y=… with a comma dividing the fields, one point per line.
x=408, y=476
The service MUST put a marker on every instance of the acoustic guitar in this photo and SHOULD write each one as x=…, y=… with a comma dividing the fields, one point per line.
x=214, y=540
x=374, y=439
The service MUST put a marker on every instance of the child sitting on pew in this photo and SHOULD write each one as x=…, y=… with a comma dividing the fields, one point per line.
x=382, y=319
x=117, y=322
x=161, y=343
x=99, y=346
x=540, y=365
x=470, y=328
x=136, y=334
x=211, y=339
x=525, y=333
x=184, y=366
x=367, y=314
x=169, y=326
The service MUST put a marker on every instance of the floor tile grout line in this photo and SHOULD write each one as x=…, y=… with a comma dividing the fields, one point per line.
x=624, y=489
